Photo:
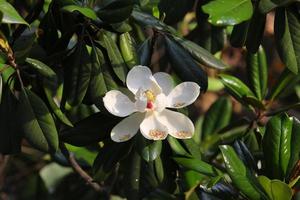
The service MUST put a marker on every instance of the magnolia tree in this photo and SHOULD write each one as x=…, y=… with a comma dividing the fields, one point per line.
x=149, y=99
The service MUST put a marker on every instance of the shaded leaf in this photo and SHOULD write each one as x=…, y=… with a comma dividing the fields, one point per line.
x=36, y=122
x=10, y=15
x=148, y=150
x=275, y=189
x=88, y=12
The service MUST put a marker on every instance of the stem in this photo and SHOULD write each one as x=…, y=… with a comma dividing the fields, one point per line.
x=76, y=167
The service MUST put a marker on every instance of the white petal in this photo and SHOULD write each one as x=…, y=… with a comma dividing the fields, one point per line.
x=179, y=125
x=118, y=104
x=152, y=129
x=160, y=102
x=183, y=95
x=127, y=128
x=137, y=77
x=165, y=81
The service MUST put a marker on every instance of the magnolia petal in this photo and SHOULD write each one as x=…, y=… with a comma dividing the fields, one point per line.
x=179, y=125
x=118, y=104
x=160, y=102
x=152, y=129
x=137, y=77
x=183, y=95
x=165, y=81
x=127, y=128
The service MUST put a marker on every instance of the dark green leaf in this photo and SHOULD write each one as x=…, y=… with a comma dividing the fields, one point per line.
x=192, y=147
x=184, y=66
x=108, y=157
x=114, y=11
x=90, y=130
x=239, y=34
x=36, y=122
x=200, y=54
x=77, y=75
x=266, y=6
x=277, y=145
x=176, y=147
x=240, y=175
x=159, y=169
x=287, y=26
x=41, y=68
x=88, y=12
x=236, y=87
x=116, y=60
x=258, y=72
x=145, y=52
x=295, y=145
x=228, y=13
x=286, y=80
x=148, y=150
x=197, y=165
x=10, y=134
x=10, y=15
x=212, y=120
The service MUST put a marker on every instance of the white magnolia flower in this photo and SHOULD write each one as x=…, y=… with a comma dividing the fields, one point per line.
x=147, y=112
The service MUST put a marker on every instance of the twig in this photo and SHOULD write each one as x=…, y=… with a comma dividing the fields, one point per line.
x=76, y=167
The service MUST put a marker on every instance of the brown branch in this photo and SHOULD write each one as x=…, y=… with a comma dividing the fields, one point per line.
x=77, y=168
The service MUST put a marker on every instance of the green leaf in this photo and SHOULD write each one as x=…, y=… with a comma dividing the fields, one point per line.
x=240, y=175
x=231, y=12
x=286, y=29
x=192, y=147
x=114, y=11
x=42, y=68
x=90, y=130
x=176, y=147
x=116, y=59
x=295, y=145
x=148, y=150
x=145, y=52
x=212, y=120
x=198, y=166
x=10, y=15
x=159, y=169
x=200, y=54
x=258, y=72
x=276, y=189
x=77, y=75
x=37, y=123
x=277, y=145
x=108, y=157
x=10, y=134
x=236, y=87
x=266, y=6
x=285, y=81
x=128, y=50
x=88, y=12
x=183, y=64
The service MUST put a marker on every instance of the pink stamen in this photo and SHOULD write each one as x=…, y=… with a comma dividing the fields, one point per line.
x=149, y=105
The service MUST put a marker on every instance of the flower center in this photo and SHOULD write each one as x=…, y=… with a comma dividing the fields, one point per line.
x=150, y=98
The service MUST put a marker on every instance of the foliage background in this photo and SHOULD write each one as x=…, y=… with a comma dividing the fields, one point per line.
x=58, y=58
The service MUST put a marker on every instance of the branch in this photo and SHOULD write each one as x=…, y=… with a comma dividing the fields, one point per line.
x=77, y=168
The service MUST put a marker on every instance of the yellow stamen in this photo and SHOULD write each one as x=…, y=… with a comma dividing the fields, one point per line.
x=150, y=96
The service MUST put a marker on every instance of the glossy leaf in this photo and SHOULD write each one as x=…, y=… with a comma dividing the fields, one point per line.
x=236, y=87
x=176, y=147
x=116, y=59
x=184, y=66
x=277, y=145
x=200, y=54
x=77, y=75
x=287, y=24
x=266, y=6
x=197, y=165
x=240, y=175
x=145, y=52
x=258, y=72
x=295, y=145
x=213, y=121
x=276, y=189
x=42, y=68
x=148, y=150
x=10, y=15
x=90, y=130
x=36, y=122
x=231, y=12
x=88, y=12
x=128, y=50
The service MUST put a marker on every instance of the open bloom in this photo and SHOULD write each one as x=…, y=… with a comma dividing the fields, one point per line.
x=147, y=110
